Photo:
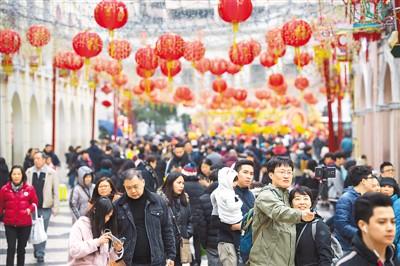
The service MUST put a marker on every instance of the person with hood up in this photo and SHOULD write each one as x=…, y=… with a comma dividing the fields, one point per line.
x=227, y=205
x=82, y=193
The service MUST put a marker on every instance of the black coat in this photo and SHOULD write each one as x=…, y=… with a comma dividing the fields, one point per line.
x=361, y=255
x=209, y=233
x=158, y=227
x=310, y=252
x=195, y=191
x=149, y=175
x=176, y=162
x=96, y=155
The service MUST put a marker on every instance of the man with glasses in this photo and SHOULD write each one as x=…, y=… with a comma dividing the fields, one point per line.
x=362, y=181
x=387, y=170
x=274, y=221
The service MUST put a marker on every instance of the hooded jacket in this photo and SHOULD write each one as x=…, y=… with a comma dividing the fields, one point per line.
x=362, y=255
x=84, y=250
x=81, y=194
x=208, y=233
x=274, y=230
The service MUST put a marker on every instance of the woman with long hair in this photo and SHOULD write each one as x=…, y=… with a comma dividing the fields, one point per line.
x=177, y=200
x=91, y=236
x=17, y=200
x=104, y=188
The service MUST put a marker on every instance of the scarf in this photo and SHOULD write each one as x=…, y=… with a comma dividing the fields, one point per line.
x=16, y=188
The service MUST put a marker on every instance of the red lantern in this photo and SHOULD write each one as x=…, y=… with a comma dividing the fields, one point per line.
x=147, y=85
x=240, y=95
x=10, y=42
x=296, y=32
x=170, y=46
x=113, y=68
x=267, y=59
x=120, y=80
x=301, y=83
x=170, y=68
x=276, y=80
x=302, y=59
x=99, y=64
x=106, y=89
x=263, y=94
x=59, y=61
x=233, y=69
x=219, y=85
x=146, y=58
x=275, y=42
x=183, y=94
x=111, y=14
x=144, y=73
x=310, y=98
x=119, y=49
x=106, y=103
x=72, y=61
x=161, y=83
x=229, y=93
x=235, y=12
x=137, y=90
x=38, y=35
x=193, y=51
x=87, y=44
x=281, y=89
x=218, y=66
x=241, y=54
x=203, y=65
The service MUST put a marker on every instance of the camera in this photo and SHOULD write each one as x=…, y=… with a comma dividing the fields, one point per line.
x=322, y=173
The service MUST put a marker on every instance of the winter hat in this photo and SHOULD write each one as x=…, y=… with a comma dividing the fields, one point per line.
x=387, y=181
x=189, y=170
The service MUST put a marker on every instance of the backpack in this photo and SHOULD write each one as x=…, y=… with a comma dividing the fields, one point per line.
x=335, y=245
x=246, y=238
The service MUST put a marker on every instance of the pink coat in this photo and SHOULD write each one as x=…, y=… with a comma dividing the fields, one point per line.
x=83, y=249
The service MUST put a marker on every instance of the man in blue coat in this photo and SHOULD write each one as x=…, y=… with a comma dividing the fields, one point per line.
x=345, y=227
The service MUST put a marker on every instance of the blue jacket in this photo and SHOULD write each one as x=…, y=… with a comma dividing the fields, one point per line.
x=345, y=226
x=396, y=208
x=247, y=197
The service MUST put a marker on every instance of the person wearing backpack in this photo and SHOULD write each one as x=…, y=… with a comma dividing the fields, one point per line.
x=313, y=239
x=274, y=230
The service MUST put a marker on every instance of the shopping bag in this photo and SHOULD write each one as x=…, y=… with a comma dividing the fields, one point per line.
x=62, y=192
x=38, y=234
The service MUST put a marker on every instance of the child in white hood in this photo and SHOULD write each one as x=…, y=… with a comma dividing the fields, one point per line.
x=227, y=205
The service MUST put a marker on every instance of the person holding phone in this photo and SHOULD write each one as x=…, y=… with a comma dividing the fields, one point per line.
x=91, y=238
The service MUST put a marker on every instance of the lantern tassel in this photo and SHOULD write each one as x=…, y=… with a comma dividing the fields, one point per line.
x=7, y=64
x=170, y=79
x=297, y=55
x=87, y=64
x=235, y=28
x=39, y=53
x=111, y=34
x=74, y=79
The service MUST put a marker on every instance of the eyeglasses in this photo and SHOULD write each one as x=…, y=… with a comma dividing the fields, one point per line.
x=284, y=172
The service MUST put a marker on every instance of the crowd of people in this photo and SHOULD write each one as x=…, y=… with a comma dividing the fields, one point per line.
x=242, y=202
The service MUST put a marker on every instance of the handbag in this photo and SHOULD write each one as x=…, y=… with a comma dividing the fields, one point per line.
x=184, y=245
x=38, y=234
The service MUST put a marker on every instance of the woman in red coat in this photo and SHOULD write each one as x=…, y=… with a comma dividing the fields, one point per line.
x=16, y=205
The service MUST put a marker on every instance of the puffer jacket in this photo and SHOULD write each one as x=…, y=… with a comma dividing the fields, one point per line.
x=81, y=194
x=345, y=226
x=209, y=233
x=84, y=250
x=396, y=208
x=274, y=230
x=195, y=191
x=13, y=205
x=362, y=256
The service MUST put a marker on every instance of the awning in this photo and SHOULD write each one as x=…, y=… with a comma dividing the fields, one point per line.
x=109, y=127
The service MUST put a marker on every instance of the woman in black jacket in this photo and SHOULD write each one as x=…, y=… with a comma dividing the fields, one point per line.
x=177, y=200
x=311, y=249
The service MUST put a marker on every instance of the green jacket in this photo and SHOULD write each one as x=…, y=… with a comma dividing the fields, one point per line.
x=274, y=229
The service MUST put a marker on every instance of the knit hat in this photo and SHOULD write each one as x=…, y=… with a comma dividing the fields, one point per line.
x=189, y=170
x=387, y=181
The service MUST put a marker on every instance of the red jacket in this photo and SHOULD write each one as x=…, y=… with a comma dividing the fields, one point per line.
x=13, y=205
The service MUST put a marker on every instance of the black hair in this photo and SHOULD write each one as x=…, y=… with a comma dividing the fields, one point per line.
x=350, y=163
x=365, y=204
x=339, y=154
x=240, y=163
x=3, y=165
x=214, y=175
x=97, y=214
x=24, y=178
x=358, y=173
x=168, y=189
x=277, y=161
x=151, y=159
x=204, y=161
x=96, y=195
x=125, y=165
x=383, y=165
x=180, y=145
x=302, y=190
x=329, y=155
x=311, y=165
x=106, y=164
x=108, y=148
x=93, y=142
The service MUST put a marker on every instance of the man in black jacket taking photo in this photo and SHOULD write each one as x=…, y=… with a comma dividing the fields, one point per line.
x=373, y=243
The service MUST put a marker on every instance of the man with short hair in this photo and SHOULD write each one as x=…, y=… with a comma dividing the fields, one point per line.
x=144, y=220
x=376, y=229
x=345, y=227
x=245, y=170
x=336, y=184
x=179, y=159
x=48, y=151
x=45, y=182
x=274, y=229
x=387, y=170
